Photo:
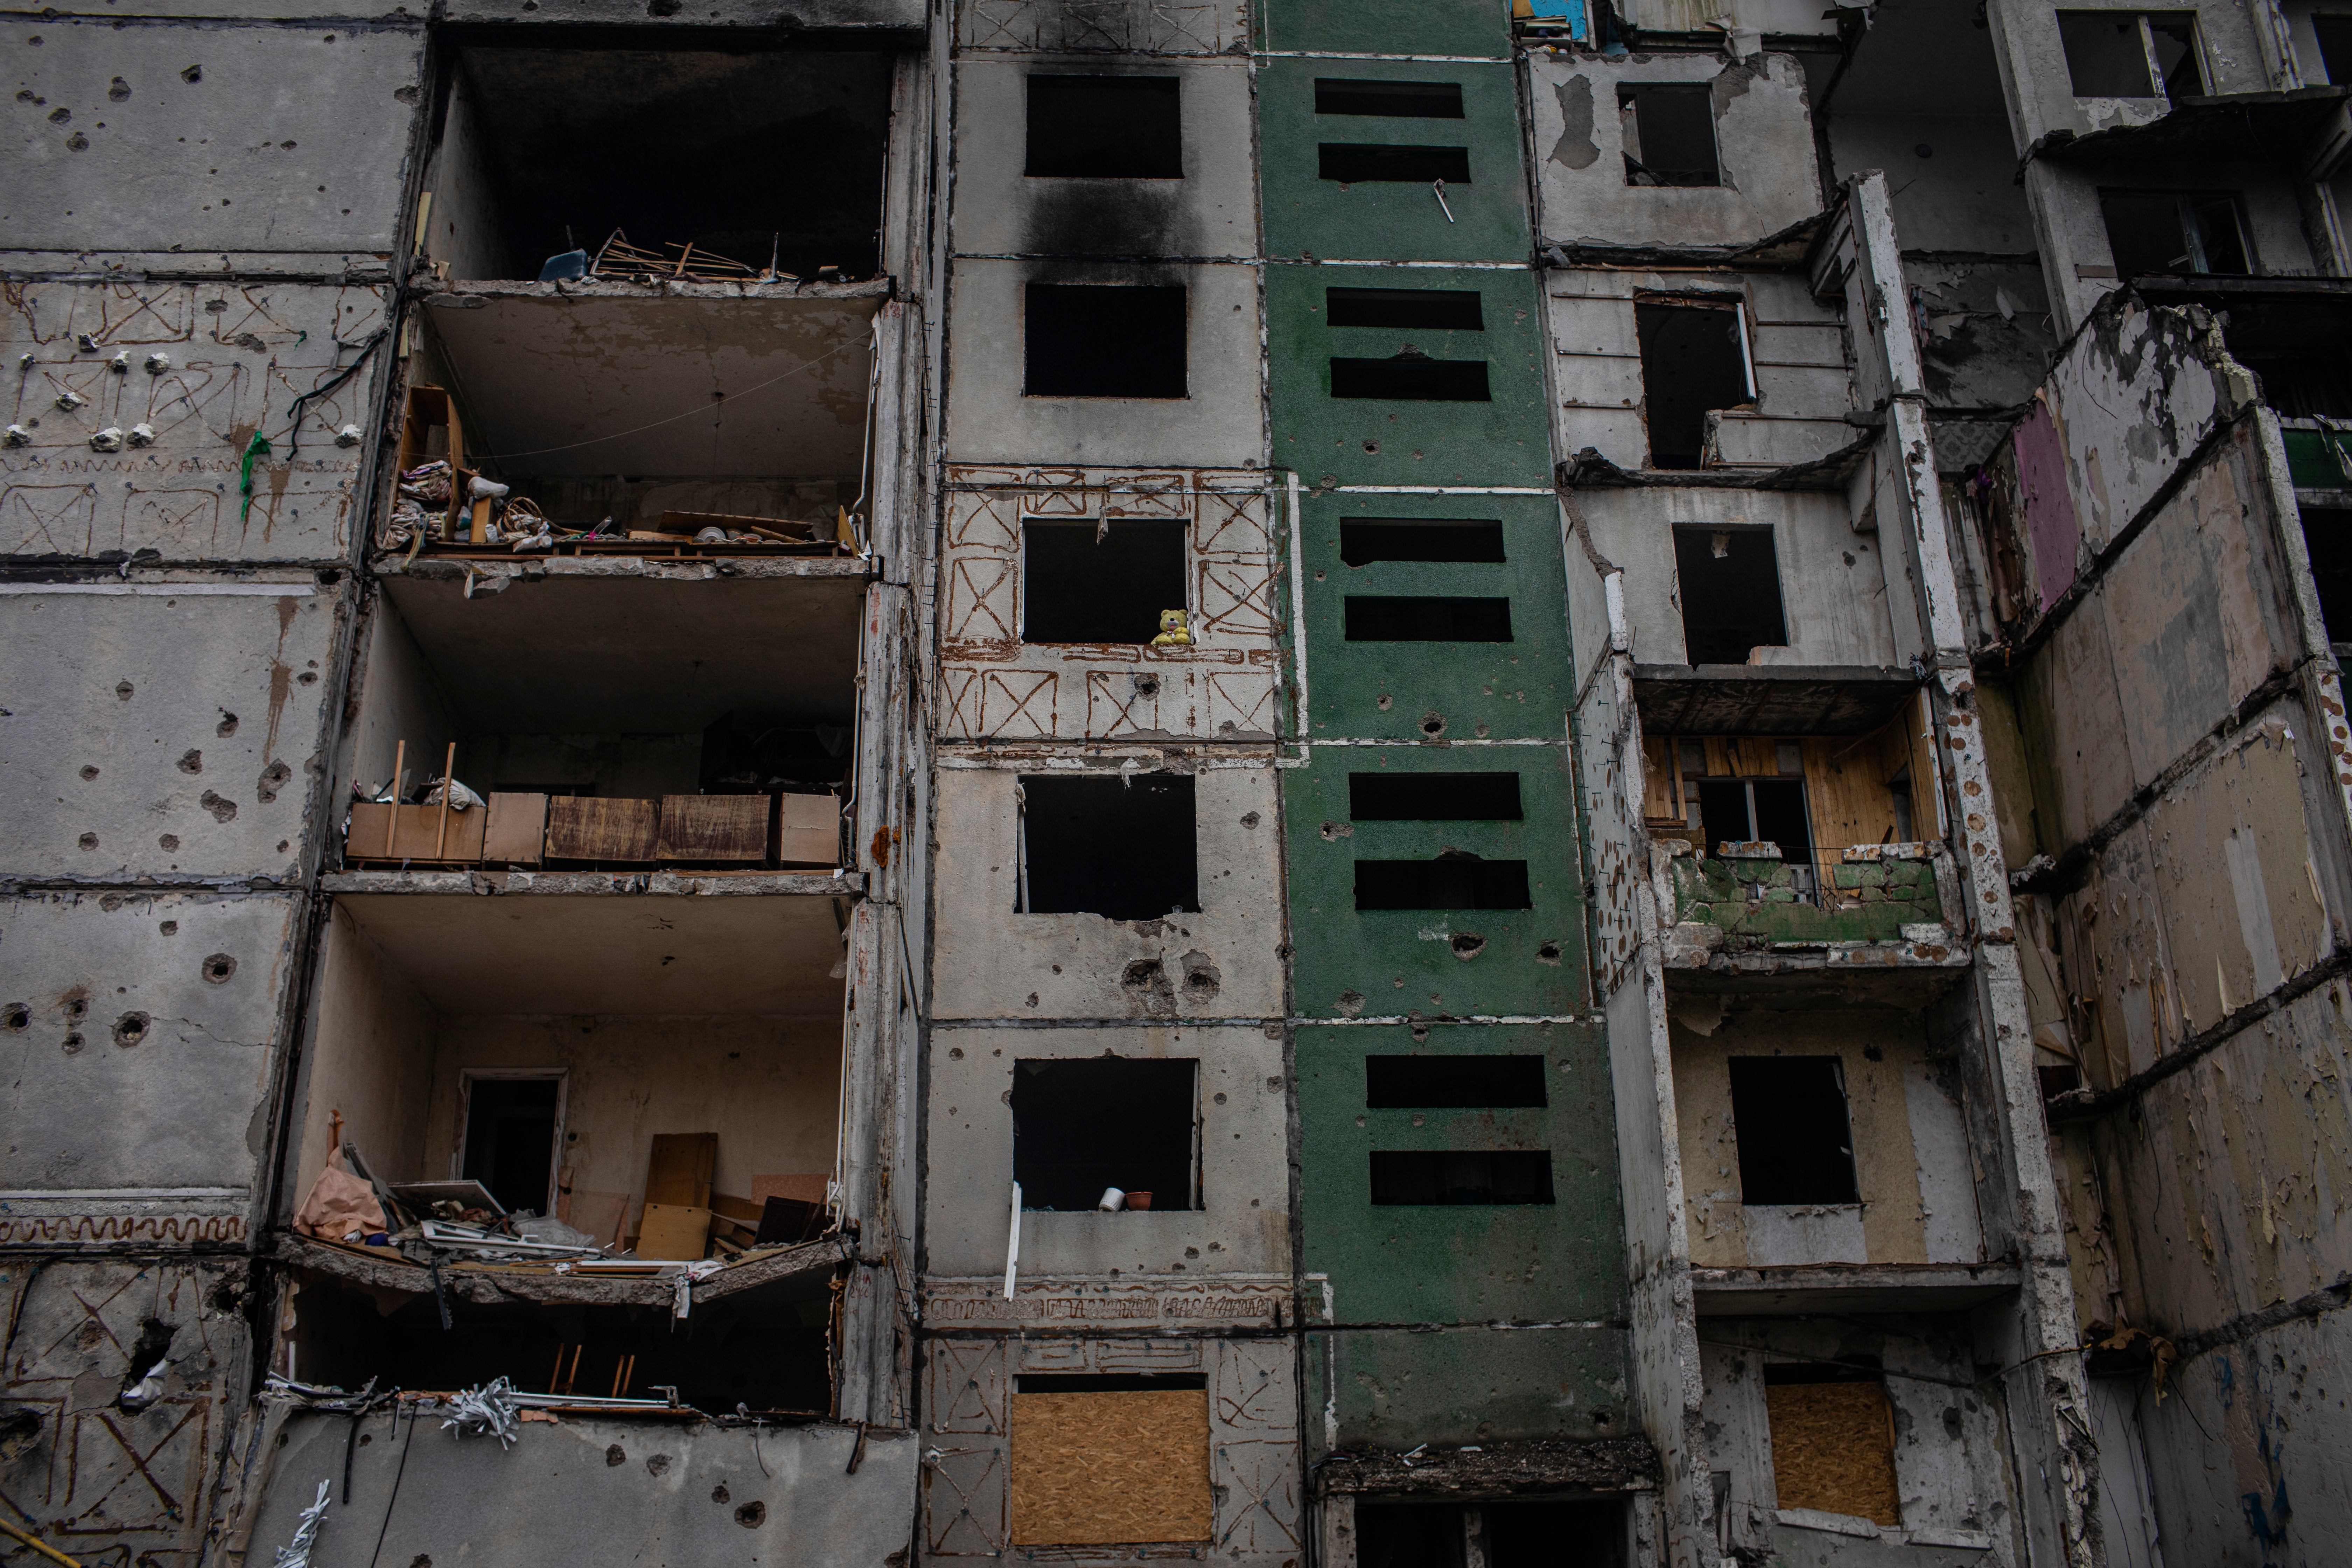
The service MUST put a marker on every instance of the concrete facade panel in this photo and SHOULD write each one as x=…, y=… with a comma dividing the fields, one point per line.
x=1391, y=1389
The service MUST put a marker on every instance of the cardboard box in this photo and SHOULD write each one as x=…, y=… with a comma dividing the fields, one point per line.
x=673, y=1233
x=386, y=832
x=808, y=830
x=516, y=833
x=727, y=829
x=585, y=827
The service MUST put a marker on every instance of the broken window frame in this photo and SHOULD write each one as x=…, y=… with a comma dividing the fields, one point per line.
x=469, y=1077
x=2190, y=208
x=2145, y=24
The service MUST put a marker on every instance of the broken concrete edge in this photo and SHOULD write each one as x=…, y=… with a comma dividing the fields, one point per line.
x=456, y=290
x=496, y=1286
x=655, y=884
x=1787, y=251
x=1503, y=1468
x=1829, y=471
x=492, y=575
x=2198, y=125
x=1854, y=1276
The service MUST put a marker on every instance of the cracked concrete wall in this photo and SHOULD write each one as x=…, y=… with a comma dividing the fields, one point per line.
x=2041, y=90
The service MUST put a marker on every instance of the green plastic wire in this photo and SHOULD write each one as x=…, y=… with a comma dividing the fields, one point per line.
x=257, y=448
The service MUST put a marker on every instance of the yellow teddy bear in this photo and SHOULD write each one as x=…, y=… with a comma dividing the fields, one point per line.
x=1173, y=631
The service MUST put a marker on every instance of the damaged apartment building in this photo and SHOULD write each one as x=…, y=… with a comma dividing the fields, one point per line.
x=1434, y=784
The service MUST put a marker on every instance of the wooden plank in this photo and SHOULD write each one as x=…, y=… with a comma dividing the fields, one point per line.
x=1846, y=787
x=385, y=832
x=808, y=1189
x=674, y=1232
x=591, y=827
x=1719, y=764
x=516, y=832
x=808, y=830
x=1927, y=771
x=679, y=1168
x=747, y=1210
x=1102, y=1468
x=1833, y=1448
x=1756, y=756
x=723, y=827
x=1658, y=793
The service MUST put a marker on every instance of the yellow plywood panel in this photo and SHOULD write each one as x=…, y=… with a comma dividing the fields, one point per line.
x=1833, y=1448
x=1091, y=1470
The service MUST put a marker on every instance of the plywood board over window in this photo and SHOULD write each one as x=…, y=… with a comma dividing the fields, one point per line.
x=1108, y=1467
x=1833, y=1448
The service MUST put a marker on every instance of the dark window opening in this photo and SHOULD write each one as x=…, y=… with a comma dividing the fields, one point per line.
x=1451, y=881
x=1668, y=129
x=2327, y=535
x=1486, y=1177
x=758, y=156
x=1515, y=1534
x=1406, y=1083
x=2109, y=54
x=2173, y=39
x=1097, y=339
x=511, y=1139
x=2174, y=232
x=1693, y=360
x=2334, y=33
x=1108, y=1383
x=1789, y=1114
x=1729, y=582
x=1450, y=309
x=1105, y=128
x=1087, y=582
x=1373, y=617
x=1412, y=376
x=1354, y=164
x=1434, y=797
x=1409, y=1534
x=1364, y=540
x=1757, y=811
x=1397, y=100
x=1118, y=847
x=1082, y=1127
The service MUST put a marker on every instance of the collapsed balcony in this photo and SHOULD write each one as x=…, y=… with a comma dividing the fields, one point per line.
x=582, y=1143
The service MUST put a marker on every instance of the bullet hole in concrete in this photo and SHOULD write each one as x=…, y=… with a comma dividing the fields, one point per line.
x=1334, y=831
x=1033, y=999
x=1434, y=797
x=1057, y=969
x=1191, y=1252
x=1274, y=1082
x=59, y=115
x=1873, y=1054
x=123, y=690
x=1146, y=983
x=1365, y=539
x=218, y=968
x=1384, y=702
x=1432, y=723
x=73, y=1043
x=78, y=143
x=307, y=678
x=1547, y=953
x=1372, y=446
x=615, y=1455
x=169, y=928
x=1468, y=946
x=193, y=74
x=283, y=844
x=955, y=1053
x=1356, y=164
x=273, y=779
x=88, y=772
x=1081, y=1126
x=754, y=1514
x=1729, y=583
x=1106, y=128
x=1394, y=1082
x=223, y=810
x=1788, y=1115
x=1693, y=361
x=658, y=1465
x=1422, y=1177
x=1083, y=582
x=118, y=89
x=1218, y=1098
x=110, y=903
x=1952, y=1422
x=1202, y=978
x=1351, y=1003
x=1250, y=819
x=423, y=1559
x=1453, y=880
x=227, y=726
x=169, y=841
x=88, y=841
x=1104, y=340
x=720, y=1493
x=1122, y=847
x=131, y=1029
x=191, y=762
x=15, y=1017
x=1668, y=131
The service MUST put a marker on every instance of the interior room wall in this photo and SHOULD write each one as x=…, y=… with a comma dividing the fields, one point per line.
x=373, y=1036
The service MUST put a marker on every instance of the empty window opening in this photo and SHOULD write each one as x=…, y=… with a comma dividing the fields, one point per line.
x=1729, y=582
x=1089, y=581
x=2123, y=54
x=1375, y=617
x=1434, y=797
x=1757, y=811
x=1669, y=133
x=1118, y=847
x=1406, y=1083
x=2174, y=232
x=1103, y=339
x=1106, y=128
x=1355, y=163
x=1409, y=1536
x=1450, y=309
x=1396, y=100
x=1103, y=1460
x=1420, y=1177
x=1083, y=1127
x=1412, y=376
x=2327, y=536
x=1511, y=1534
x=1453, y=881
x=764, y=157
x=2335, y=35
x=1694, y=360
x=1788, y=1115
x=1833, y=1440
x=511, y=1139
x=1364, y=540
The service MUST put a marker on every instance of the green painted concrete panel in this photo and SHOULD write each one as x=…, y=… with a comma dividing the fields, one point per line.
x=1387, y=28
x=1460, y=1263
x=1348, y=962
x=1475, y=691
x=1378, y=441
x=1754, y=902
x=1307, y=216
x=1395, y=1390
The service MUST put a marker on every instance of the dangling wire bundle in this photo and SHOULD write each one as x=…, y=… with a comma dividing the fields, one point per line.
x=306, y=1534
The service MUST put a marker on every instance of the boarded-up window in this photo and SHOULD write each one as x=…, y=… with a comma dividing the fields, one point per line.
x=1108, y=1466
x=1833, y=1441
